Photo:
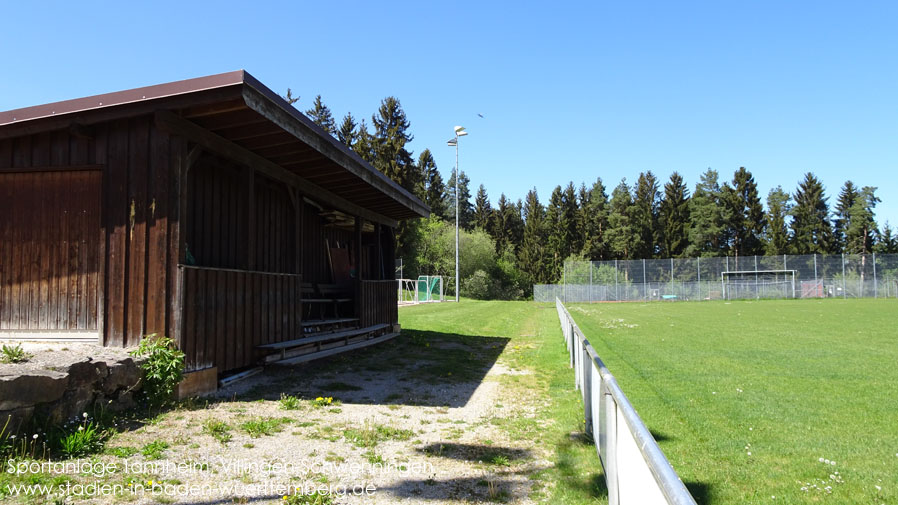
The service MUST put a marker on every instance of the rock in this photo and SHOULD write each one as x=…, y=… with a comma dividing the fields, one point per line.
x=31, y=387
x=123, y=374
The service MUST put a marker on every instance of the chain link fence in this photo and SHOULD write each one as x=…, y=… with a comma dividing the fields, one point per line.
x=726, y=278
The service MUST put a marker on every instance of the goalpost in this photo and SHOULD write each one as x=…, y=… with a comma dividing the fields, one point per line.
x=738, y=284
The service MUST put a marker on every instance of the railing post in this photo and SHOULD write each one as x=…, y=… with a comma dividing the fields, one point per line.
x=610, y=457
x=586, y=373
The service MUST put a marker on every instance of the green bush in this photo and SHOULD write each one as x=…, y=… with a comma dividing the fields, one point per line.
x=163, y=368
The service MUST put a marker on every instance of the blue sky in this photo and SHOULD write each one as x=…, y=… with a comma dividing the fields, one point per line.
x=569, y=91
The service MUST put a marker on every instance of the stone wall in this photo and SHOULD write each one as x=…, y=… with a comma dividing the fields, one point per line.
x=55, y=385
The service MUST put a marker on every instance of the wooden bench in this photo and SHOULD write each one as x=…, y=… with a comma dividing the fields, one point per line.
x=323, y=295
x=320, y=337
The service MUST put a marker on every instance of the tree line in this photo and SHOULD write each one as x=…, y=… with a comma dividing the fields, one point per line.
x=528, y=241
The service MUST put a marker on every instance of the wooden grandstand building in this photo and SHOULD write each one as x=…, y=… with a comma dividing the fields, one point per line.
x=208, y=210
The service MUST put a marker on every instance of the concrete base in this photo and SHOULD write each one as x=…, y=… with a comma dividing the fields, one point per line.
x=198, y=383
x=396, y=328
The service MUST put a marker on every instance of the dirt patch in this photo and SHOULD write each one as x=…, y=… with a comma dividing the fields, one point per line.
x=416, y=420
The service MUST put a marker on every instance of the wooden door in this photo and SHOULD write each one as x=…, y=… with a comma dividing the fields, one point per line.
x=49, y=251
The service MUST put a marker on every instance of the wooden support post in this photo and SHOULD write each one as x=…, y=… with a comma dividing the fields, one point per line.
x=251, y=218
x=358, y=248
x=380, y=253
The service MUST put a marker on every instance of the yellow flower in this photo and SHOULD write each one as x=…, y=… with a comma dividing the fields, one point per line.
x=319, y=399
x=284, y=498
x=149, y=483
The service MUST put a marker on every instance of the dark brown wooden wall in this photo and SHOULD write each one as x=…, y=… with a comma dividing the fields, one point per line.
x=137, y=243
x=228, y=313
x=49, y=250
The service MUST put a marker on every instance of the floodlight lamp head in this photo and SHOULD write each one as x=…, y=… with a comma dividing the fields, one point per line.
x=462, y=133
x=459, y=129
x=451, y=143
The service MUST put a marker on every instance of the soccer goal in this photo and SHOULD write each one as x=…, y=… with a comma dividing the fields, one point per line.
x=742, y=284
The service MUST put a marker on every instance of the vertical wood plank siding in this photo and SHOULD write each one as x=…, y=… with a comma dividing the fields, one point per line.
x=131, y=208
x=376, y=302
x=221, y=308
x=109, y=264
x=49, y=266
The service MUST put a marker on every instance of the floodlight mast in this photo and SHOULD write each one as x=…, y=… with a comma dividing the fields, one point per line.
x=453, y=142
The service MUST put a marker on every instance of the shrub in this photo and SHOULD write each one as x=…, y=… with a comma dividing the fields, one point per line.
x=163, y=368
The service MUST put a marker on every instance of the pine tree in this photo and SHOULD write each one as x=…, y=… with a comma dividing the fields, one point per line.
x=390, y=138
x=321, y=116
x=594, y=221
x=557, y=228
x=778, y=208
x=743, y=215
x=886, y=241
x=842, y=215
x=622, y=239
x=348, y=132
x=513, y=222
x=570, y=213
x=644, y=217
x=532, y=254
x=466, y=210
x=811, y=228
x=705, y=226
x=433, y=190
x=483, y=212
x=861, y=224
x=674, y=217
x=364, y=144
x=289, y=98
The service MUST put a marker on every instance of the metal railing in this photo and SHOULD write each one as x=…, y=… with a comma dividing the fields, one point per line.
x=636, y=471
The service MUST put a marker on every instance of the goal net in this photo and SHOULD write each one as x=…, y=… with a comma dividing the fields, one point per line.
x=758, y=284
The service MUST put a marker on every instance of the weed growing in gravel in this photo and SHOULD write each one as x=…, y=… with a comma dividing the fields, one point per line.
x=373, y=457
x=371, y=435
x=218, y=430
x=86, y=439
x=13, y=354
x=290, y=402
x=322, y=401
x=315, y=498
x=263, y=426
x=154, y=450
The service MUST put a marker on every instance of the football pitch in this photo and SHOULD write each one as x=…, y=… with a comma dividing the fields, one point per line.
x=762, y=402
x=787, y=401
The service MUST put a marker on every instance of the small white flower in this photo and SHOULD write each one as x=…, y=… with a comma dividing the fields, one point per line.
x=749, y=453
x=84, y=415
x=35, y=436
x=81, y=428
x=750, y=428
x=878, y=488
x=826, y=461
x=833, y=463
x=820, y=460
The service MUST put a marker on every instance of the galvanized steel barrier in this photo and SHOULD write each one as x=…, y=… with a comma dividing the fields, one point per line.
x=636, y=471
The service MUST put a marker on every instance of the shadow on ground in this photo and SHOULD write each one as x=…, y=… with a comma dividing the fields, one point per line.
x=474, y=452
x=423, y=368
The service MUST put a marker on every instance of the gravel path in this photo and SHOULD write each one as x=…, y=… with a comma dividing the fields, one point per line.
x=397, y=431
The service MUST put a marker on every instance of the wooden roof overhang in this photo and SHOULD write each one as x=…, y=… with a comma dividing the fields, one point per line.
x=235, y=115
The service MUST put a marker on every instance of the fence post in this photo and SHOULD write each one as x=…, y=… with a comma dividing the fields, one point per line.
x=616, y=289
x=875, y=286
x=815, y=269
x=586, y=374
x=645, y=292
x=590, y=282
x=844, y=293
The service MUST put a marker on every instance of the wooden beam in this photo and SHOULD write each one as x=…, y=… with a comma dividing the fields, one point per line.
x=172, y=123
x=358, y=248
x=333, y=150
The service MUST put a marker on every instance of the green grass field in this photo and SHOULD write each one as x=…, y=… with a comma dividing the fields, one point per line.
x=745, y=398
